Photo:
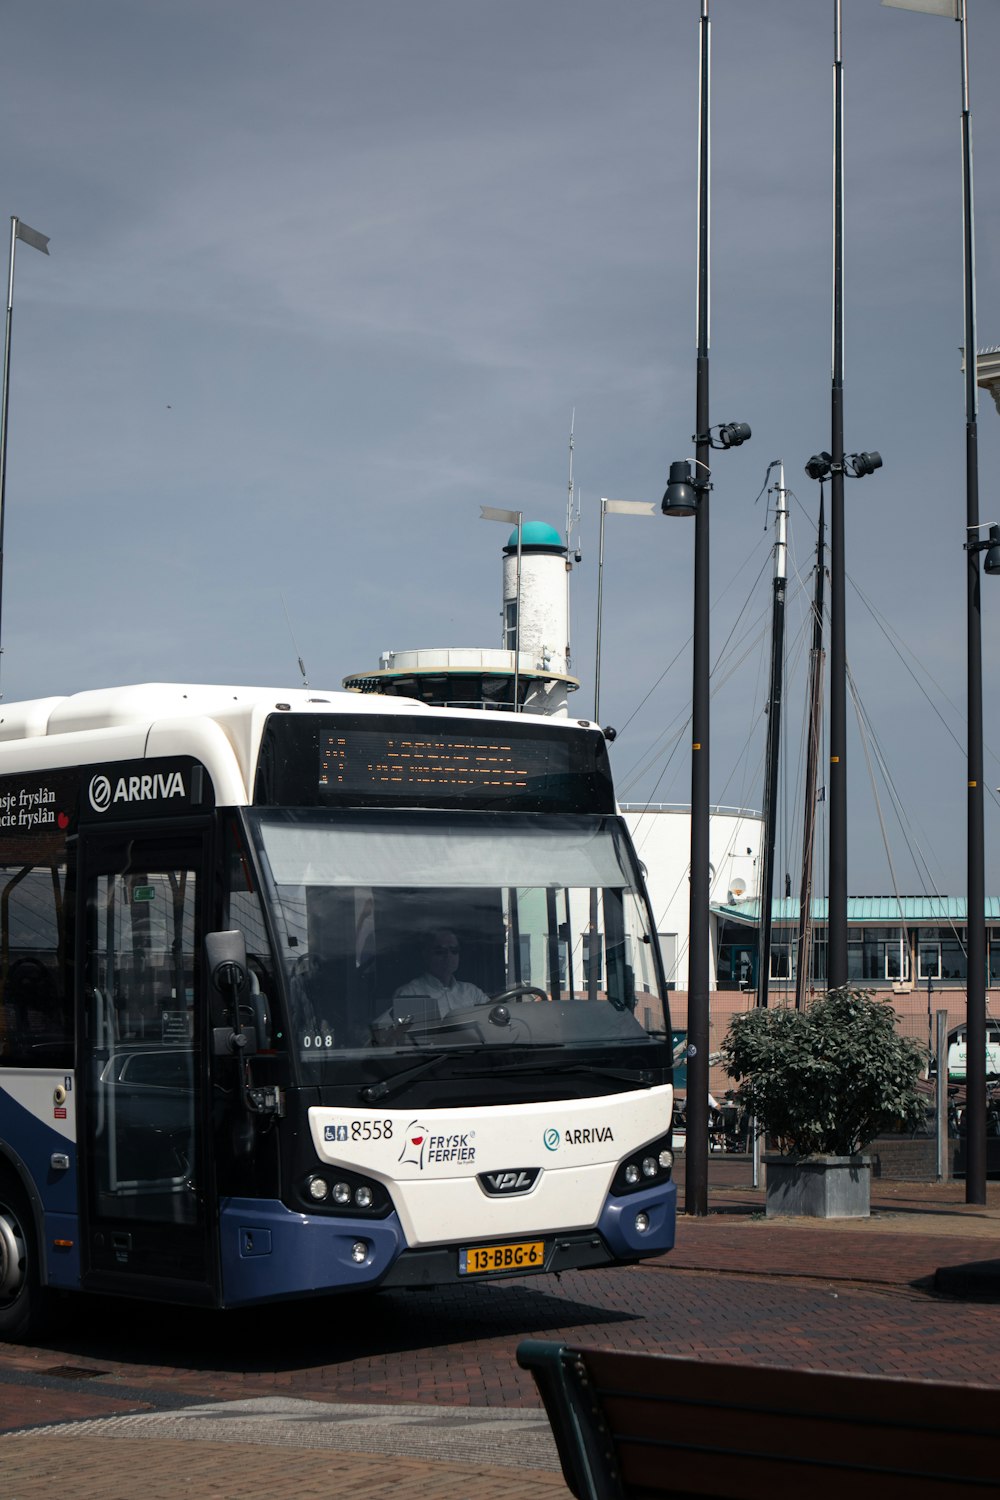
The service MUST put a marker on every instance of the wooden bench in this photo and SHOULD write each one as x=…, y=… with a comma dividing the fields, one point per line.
x=633, y=1426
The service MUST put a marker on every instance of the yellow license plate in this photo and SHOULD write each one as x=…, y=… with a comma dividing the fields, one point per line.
x=477, y=1259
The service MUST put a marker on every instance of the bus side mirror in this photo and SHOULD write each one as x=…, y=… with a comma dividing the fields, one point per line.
x=226, y=956
x=226, y=959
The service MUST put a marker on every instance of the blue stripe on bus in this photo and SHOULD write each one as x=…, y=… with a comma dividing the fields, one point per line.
x=33, y=1143
x=269, y=1251
x=617, y=1221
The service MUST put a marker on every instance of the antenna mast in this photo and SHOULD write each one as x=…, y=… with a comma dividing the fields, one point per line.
x=295, y=648
x=573, y=509
x=773, y=737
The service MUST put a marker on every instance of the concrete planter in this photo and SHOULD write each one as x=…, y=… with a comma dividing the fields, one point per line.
x=819, y=1187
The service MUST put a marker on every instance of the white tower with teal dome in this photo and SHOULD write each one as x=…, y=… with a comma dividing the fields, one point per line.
x=544, y=596
x=532, y=666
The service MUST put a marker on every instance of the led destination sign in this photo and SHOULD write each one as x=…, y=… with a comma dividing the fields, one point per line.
x=404, y=760
x=380, y=762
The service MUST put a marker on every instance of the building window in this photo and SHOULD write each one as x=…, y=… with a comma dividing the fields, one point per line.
x=668, y=953
x=928, y=960
x=994, y=969
x=876, y=954
x=510, y=624
x=953, y=962
x=738, y=965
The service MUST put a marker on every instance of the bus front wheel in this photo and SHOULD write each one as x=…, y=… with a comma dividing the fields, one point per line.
x=22, y=1299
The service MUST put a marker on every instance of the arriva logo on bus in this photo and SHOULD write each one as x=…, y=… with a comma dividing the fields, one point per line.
x=147, y=788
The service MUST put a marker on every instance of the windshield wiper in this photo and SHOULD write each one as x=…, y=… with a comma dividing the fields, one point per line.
x=372, y=1093
x=641, y=1076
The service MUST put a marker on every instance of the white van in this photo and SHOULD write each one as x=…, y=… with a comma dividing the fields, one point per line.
x=957, y=1052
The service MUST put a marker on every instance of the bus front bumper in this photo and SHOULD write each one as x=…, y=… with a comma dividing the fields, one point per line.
x=270, y=1252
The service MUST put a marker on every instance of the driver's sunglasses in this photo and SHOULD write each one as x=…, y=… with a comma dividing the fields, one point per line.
x=445, y=947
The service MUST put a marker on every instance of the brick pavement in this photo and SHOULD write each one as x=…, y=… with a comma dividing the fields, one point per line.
x=92, y=1468
x=844, y=1295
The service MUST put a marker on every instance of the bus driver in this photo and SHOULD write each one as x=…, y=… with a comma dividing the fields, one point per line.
x=437, y=987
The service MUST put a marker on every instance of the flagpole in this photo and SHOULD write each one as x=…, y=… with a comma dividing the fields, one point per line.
x=621, y=508
x=19, y=230
x=3, y=412
x=600, y=592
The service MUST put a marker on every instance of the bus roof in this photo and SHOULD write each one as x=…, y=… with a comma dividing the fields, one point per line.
x=221, y=726
x=143, y=703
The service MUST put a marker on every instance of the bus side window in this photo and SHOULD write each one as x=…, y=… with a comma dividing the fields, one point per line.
x=244, y=912
x=35, y=1025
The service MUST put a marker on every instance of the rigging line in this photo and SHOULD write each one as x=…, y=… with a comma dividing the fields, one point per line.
x=662, y=774
x=866, y=746
x=687, y=643
x=664, y=744
x=930, y=884
x=921, y=866
x=742, y=612
x=717, y=685
x=656, y=684
x=897, y=800
x=896, y=642
x=641, y=766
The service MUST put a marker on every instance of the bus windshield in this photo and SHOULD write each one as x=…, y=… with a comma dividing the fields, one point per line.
x=416, y=930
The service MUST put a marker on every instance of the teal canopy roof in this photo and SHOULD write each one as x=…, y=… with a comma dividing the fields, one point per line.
x=880, y=910
x=536, y=534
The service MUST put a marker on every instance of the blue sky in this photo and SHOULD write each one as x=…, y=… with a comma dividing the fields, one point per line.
x=326, y=277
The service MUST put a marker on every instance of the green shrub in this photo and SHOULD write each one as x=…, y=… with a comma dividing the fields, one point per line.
x=829, y=1079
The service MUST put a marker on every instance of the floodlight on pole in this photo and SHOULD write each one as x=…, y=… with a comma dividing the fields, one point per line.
x=732, y=434
x=511, y=518
x=681, y=496
x=18, y=231
x=860, y=464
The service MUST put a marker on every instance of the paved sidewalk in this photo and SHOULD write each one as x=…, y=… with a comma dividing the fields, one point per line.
x=177, y=1433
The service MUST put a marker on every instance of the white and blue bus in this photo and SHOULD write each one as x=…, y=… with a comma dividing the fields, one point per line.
x=222, y=1078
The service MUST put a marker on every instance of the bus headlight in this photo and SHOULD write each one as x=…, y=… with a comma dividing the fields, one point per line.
x=649, y=1165
x=359, y=1251
x=338, y=1190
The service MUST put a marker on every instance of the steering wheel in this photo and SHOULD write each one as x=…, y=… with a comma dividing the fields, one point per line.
x=27, y=965
x=518, y=992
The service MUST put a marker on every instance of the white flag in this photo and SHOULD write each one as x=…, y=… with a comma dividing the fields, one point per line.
x=949, y=8
x=630, y=507
x=23, y=231
x=491, y=513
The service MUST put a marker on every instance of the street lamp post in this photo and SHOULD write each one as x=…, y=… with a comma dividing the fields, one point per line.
x=687, y=495
x=975, y=1083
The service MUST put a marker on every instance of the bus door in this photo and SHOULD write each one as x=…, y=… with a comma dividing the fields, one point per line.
x=145, y=1204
